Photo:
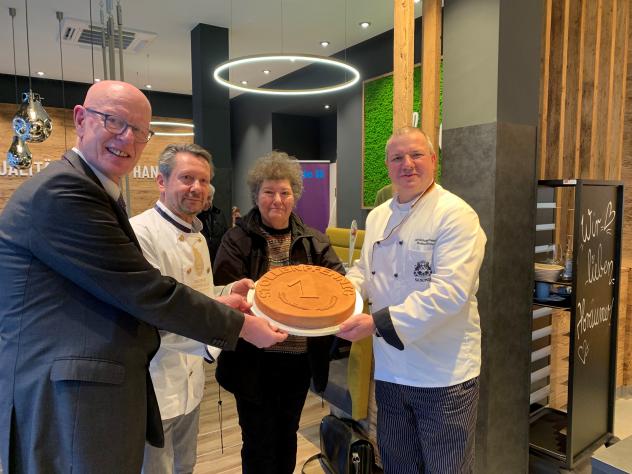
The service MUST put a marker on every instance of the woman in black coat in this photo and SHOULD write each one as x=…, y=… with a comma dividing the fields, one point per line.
x=270, y=385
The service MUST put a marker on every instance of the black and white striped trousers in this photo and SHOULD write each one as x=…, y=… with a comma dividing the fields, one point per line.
x=426, y=430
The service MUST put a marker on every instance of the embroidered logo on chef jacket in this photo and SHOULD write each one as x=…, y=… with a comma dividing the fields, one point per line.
x=422, y=271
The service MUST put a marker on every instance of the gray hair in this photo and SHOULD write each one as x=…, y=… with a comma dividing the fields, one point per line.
x=274, y=166
x=211, y=190
x=407, y=131
x=167, y=159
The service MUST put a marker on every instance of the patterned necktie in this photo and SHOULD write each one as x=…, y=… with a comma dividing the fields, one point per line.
x=121, y=202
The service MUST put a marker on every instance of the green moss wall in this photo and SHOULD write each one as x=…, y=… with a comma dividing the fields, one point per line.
x=378, y=126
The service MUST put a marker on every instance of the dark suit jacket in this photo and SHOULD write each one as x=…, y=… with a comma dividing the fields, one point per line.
x=79, y=308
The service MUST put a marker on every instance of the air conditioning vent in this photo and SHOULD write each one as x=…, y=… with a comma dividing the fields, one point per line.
x=80, y=32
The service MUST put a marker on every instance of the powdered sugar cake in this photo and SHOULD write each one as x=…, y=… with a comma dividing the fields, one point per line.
x=305, y=296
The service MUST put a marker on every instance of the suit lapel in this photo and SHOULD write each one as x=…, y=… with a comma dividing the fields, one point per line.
x=79, y=164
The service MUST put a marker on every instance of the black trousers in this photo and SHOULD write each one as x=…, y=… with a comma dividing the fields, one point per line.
x=269, y=425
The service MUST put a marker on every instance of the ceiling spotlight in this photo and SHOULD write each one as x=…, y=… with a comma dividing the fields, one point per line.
x=245, y=83
x=147, y=86
x=266, y=71
x=40, y=73
x=324, y=44
x=417, y=1
x=327, y=106
x=96, y=79
x=365, y=24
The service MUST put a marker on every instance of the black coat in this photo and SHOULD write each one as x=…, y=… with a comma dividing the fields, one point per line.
x=214, y=229
x=243, y=254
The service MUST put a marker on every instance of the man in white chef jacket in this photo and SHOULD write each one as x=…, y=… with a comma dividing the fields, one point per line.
x=169, y=235
x=419, y=268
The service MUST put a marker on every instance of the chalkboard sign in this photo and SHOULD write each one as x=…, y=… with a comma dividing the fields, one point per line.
x=596, y=274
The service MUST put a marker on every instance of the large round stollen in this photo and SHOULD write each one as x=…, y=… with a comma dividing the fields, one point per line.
x=305, y=296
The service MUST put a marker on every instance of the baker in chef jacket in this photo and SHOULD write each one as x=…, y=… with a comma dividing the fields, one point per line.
x=170, y=237
x=419, y=268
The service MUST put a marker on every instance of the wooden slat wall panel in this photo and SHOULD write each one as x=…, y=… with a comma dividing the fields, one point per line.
x=544, y=86
x=431, y=78
x=573, y=62
x=556, y=73
x=602, y=97
x=586, y=118
x=583, y=66
x=622, y=323
x=403, y=62
x=560, y=346
x=143, y=191
x=626, y=355
x=590, y=25
x=614, y=94
x=626, y=166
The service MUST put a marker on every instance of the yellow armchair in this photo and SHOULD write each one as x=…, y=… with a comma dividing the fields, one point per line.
x=339, y=238
x=359, y=368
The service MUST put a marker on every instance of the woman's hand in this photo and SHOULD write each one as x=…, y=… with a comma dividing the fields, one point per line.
x=236, y=301
x=241, y=287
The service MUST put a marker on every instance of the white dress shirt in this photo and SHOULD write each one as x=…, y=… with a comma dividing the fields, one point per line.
x=112, y=188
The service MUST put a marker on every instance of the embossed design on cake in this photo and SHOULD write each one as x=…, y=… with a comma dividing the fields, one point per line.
x=305, y=296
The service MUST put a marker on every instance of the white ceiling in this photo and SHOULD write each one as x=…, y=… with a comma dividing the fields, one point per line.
x=256, y=26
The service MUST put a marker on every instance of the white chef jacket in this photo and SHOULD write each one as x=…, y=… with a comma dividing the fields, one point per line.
x=419, y=269
x=177, y=369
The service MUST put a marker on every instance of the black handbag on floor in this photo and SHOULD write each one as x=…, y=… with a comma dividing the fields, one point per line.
x=344, y=450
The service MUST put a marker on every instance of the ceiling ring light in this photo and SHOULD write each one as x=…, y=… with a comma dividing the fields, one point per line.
x=286, y=57
x=174, y=125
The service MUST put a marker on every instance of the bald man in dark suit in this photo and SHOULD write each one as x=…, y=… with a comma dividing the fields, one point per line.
x=80, y=306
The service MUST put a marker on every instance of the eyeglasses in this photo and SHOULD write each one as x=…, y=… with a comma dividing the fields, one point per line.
x=116, y=125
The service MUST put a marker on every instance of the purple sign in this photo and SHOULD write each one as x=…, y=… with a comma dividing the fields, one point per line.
x=313, y=207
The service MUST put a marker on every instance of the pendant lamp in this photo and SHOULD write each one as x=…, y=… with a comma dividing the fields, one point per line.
x=351, y=74
x=18, y=156
x=31, y=122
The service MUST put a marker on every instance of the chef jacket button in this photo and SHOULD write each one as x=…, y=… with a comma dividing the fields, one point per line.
x=373, y=272
x=181, y=238
x=401, y=242
x=208, y=270
x=188, y=271
x=395, y=275
x=378, y=242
